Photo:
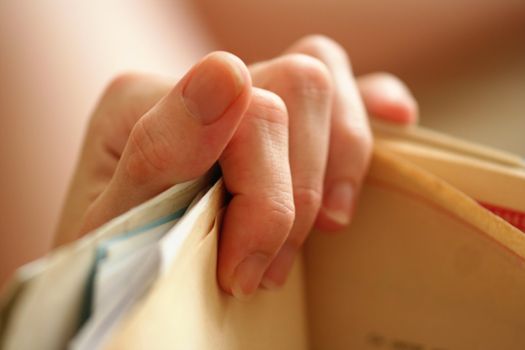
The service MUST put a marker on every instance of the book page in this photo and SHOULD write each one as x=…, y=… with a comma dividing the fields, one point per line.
x=186, y=309
x=127, y=265
x=49, y=302
x=422, y=266
x=493, y=178
x=480, y=179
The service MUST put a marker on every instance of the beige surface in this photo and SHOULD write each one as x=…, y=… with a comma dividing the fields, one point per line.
x=422, y=266
x=484, y=102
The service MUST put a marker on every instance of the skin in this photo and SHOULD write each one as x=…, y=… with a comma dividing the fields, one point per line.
x=280, y=130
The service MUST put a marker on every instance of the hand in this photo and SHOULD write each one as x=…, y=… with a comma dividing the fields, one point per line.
x=293, y=146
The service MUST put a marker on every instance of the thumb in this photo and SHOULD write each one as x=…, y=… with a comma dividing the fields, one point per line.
x=180, y=138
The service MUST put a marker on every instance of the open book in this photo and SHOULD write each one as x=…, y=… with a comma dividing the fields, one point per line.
x=434, y=260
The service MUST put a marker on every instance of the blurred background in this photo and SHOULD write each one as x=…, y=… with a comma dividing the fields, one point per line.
x=463, y=59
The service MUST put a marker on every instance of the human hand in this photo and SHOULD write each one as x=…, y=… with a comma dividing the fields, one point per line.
x=293, y=146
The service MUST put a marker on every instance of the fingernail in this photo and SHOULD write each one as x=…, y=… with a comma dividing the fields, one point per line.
x=248, y=276
x=269, y=284
x=339, y=202
x=276, y=275
x=212, y=87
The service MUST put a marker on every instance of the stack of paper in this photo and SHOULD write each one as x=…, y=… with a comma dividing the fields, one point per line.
x=86, y=287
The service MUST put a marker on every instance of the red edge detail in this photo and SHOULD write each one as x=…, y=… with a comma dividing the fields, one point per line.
x=513, y=217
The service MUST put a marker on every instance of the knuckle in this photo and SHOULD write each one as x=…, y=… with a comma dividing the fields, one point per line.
x=119, y=89
x=360, y=140
x=361, y=137
x=307, y=199
x=390, y=82
x=278, y=215
x=281, y=210
x=296, y=241
x=323, y=48
x=148, y=154
x=307, y=74
x=120, y=85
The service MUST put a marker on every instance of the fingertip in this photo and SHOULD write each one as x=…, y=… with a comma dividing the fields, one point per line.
x=278, y=271
x=231, y=63
x=326, y=223
x=400, y=110
x=248, y=275
x=387, y=97
x=338, y=208
x=269, y=284
x=216, y=83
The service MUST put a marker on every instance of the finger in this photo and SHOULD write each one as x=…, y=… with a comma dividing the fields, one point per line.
x=387, y=97
x=350, y=138
x=180, y=138
x=259, y=217
x=305, y=86
x=124, y=101
x=127, y=98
